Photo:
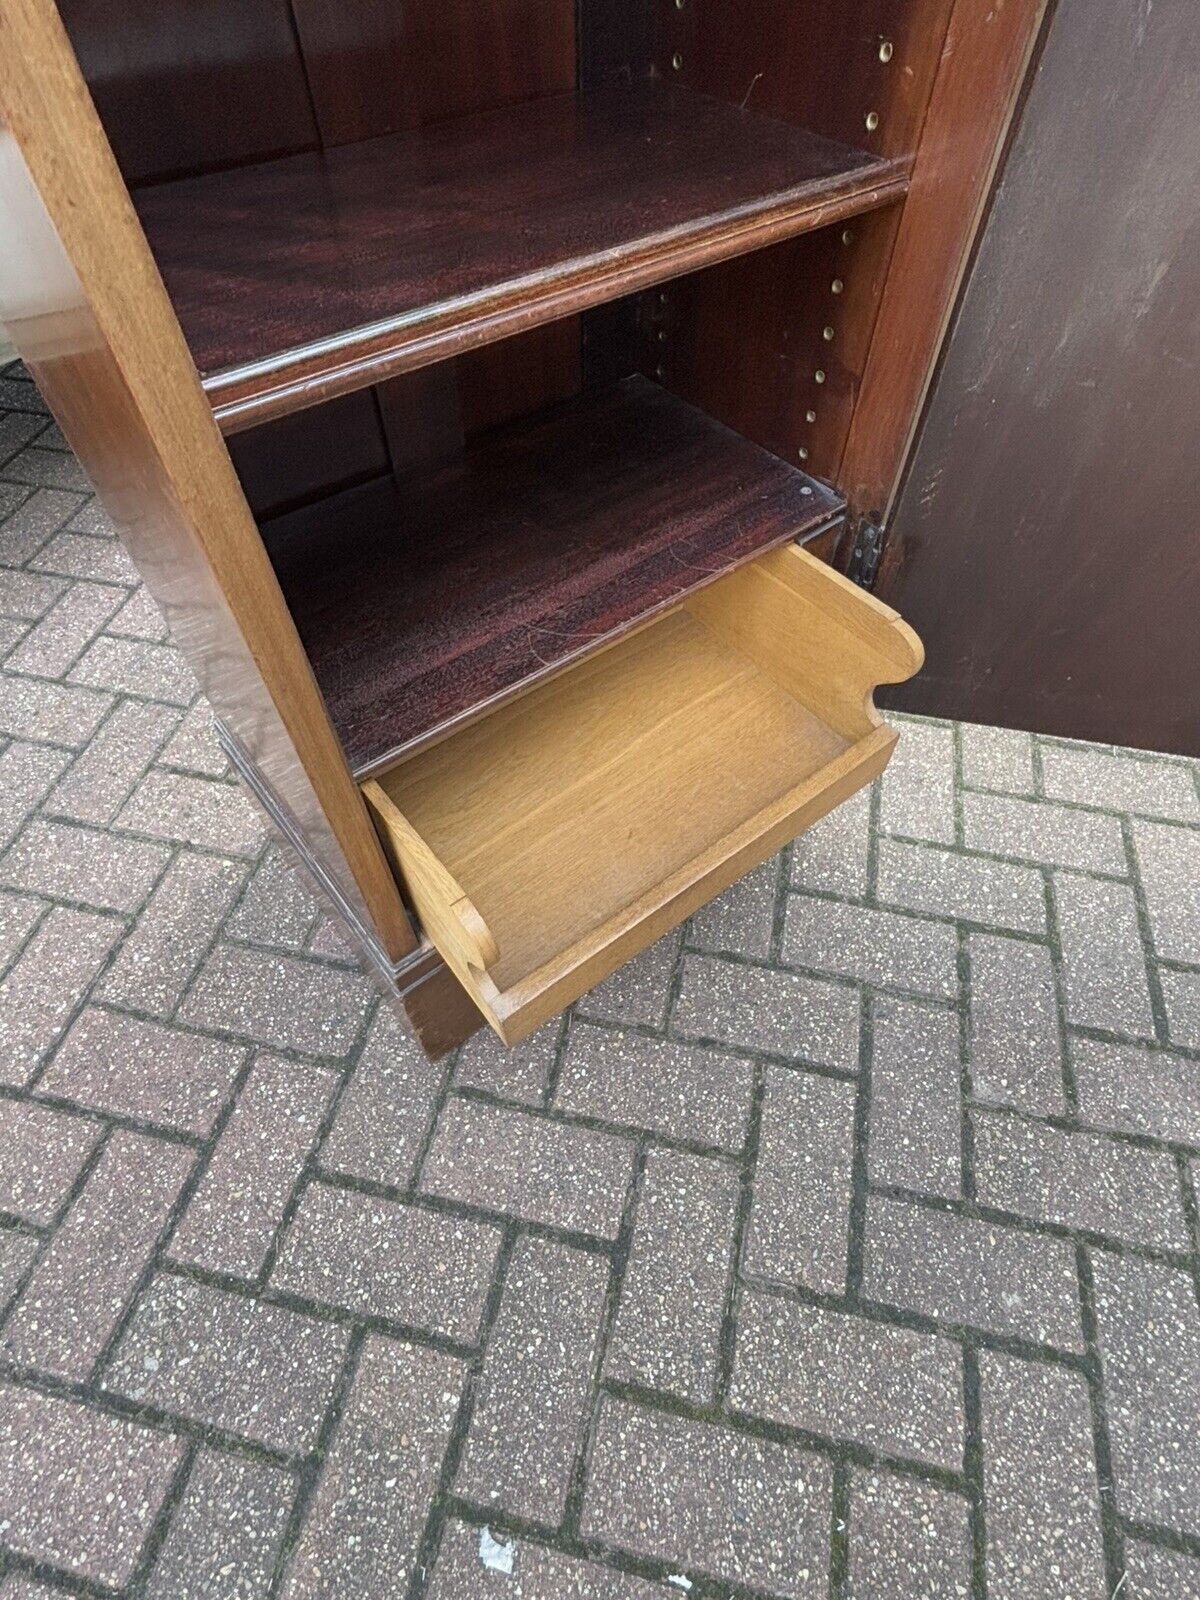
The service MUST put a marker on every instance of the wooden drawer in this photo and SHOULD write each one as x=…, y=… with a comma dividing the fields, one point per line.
x=545, y=845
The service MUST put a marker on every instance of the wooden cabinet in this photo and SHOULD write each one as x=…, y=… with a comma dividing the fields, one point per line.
x=476, y=386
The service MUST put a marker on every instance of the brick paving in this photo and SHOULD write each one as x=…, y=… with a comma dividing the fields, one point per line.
x=845, y=1245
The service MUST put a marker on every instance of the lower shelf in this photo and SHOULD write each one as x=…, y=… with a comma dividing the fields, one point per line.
x=546, y=844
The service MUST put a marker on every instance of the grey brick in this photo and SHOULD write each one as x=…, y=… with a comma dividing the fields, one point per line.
x=1015, y=1048
x=17, y=428
x=158, y=960
x=27, y=530
x=964, y=1271
x=331, y=939
x=78, y=1489
x=536, y=1383
x=1079, y=1180
x=279, y=1000
x=681, y=1090
x=11, y=633
x=668, y=1327
x=1169, y=867
x=18, y=1587
x=741, y=920
x=190, y=810
x=42, y=1152
x=873, y=946
x=364, y=1527
x=1157, y=1574
x=253, y=1369
x=1135, y=1090
x=131, y=666
x=1181, y=996
x=75, y=863
x=915, y=1128
x=17, y=1251
x=1040, y=1488
x=225, y=1533
x=276, y=909
x=1054, y=836
x=91, y=518
x=28, y=595
x=232, y=1217
x=18, y=915
x=760, y=1009
x=75, y=555
x=50, y=648
x=906, y=1538
x=710, y=1501
x=834, y=855
x=1118, y=780
x=41, y=991
x=1149, y=1337
x=536, y=1572
x=831, y=1372
x=31, y=708
x=997, y=758
x=379, y=1258
x=800, y=1218
x=52, y=468
x=27, y=774
x=133, y=1068
x=195, y=746
x=84, y=1281
x=140, y=618
x=917, y=795
x=529, y=1167
x=946, y=883
x=1104, y=965
x=385, y=1113
x=520, y=1072
x=640, y=991
x=107, y=770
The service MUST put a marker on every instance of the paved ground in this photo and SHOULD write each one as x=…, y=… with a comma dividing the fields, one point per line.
x=846, y=1246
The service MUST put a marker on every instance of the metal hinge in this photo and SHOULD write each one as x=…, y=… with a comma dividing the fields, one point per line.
x=865, y=553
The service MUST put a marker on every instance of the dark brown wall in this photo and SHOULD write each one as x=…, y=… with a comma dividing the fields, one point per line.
x=1047, y=543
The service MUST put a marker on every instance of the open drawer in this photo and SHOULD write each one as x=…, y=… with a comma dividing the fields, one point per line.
x=546, y=844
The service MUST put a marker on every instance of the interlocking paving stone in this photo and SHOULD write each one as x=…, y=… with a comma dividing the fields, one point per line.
x=1181, y=996
x=194, y=746
x=872, y=945
x=276, y=909
x=1041, y=1492
x=1157, y=1574
x=1169, y=867
x=800, y=1217
x=100, y=869
x=906, y=1538
x=232, y=1217
x=640, y=991
x=32, y=708
x=79, y=1489
x=189, y=810
x=1055, y=836
x=382, y=1258
x=384, y=1115
x=78, y=1290
x=962, y=1270
x=139, y=618
x=535, y=1388
x=1079, y=1180
x=668, y=1326
x=102, y=776
x=131, y=666
x=764, y=1009
x=27, y=594
x=174, y=931
x=49, y=649
x=49, y=467
x=915, y=1133
x=258, y=1370
x=1118, y=781
x=917, y=790
x=530, y=1167
x=27, y=774
x=279, y=1000
x=18, y=1587
x=11, y=634
x=741, y=920
x=41, y=991
x=833, y=1373
x=364, y=1526
x=17, y=1251
x=42, y=1152
x=537, y=1573
x=946, y=884
x=683, y=1091
x=1015, y=1046
x=133, y=1068
x=1104, y=963
x=75, y=555
x=27, y=530
x=520, y=1072
x=997, y=758
x=833, y=857
x=17, y=428
x=225, y=1534
x=710, y=1500
x=1135, y=1090
x=1149, y=1337
x=19, y=914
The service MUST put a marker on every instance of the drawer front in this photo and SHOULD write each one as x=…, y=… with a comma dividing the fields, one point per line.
x=545, y=845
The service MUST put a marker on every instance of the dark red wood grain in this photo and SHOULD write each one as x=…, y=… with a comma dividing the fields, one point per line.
x=424, y=601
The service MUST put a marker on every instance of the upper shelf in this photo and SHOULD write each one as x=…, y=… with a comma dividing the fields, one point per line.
x=306, y=277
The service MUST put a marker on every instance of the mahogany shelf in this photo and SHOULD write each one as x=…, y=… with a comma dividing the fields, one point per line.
x=305, y=277
x=423, y=602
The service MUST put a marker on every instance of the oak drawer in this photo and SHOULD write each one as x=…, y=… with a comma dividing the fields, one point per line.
x=545, y=845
